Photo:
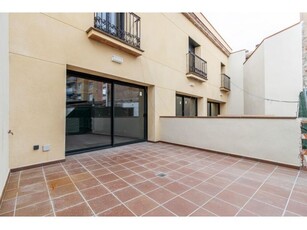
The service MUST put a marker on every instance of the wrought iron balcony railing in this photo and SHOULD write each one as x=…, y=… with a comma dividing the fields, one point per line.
x=225, y=82
x=196, y=65
x=124, y=26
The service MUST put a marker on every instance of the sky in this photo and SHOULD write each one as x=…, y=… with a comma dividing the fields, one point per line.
x=245, y=30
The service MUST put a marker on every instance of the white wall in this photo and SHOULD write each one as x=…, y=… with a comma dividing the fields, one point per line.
x=4, y=100
x=274, y=71
x=235, y=105
x=276, y=140
x=283, y=71
x=254, y=83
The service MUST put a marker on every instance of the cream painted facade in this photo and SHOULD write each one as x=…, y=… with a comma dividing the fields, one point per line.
x=44, y=46
x=273, y=75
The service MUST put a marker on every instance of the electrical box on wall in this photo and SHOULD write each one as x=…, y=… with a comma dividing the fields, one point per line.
x=46, y=148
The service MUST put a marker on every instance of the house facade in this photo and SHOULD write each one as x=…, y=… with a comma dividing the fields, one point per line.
x=76, y=82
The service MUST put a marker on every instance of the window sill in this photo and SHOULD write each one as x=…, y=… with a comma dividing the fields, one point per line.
x=224, y=89
x=107, y=39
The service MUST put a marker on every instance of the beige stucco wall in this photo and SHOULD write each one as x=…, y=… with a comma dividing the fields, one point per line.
x=280, y=142
x=4, y=100
x=43, y=46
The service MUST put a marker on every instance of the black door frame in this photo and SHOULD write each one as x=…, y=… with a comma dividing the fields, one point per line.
x=112, y=82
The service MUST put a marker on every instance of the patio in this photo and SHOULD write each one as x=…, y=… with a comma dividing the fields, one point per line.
x=156, y=179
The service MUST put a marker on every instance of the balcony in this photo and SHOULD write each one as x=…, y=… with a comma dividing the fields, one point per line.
x=119, y=30
x=196, y=67
x=225, y=83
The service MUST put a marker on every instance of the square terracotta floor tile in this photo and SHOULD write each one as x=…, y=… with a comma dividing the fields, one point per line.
x=209, y=189
x=177, y=188
x=32, y=180
x=161, y=181
x=62, y=190
x=53, y=184
x=185, y=170
x=127, y=194
x=161, y=195
x=93, y=167
x=81, y=176
x=219, y=181
x=287, y=213
x=116, y=185
x=107, y=178
x=297, y=208
x=119, y=210
x=12, y=185
x=94, y=192
x=262, y=209
x=139, y=169
x=67, y=201
x=26, y=200
x=299, y=197
x=233, y=198
x=76, y=171
x=196, y=197
x=180, y=206
x=10, y=194
x=202, y=212
x=220, y=208
x=242, y=189
x=275, y=190
x=85, y=184
x=245, y=212
x=175, y=175
x=159, y=211
x=190, y=181
x=38, y=209
x=141, y=205
x=124, y=173
x=7, y=206
x=77, y=210
x=100, y=172
x=56, y=175
x=134, y=179
x=34, y=188
x=149, y=174
x=7, y=214
x=146, y=186
x=103, y=203
x=271, y=199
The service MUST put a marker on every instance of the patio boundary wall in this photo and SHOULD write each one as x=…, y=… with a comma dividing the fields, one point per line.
x=274, y=139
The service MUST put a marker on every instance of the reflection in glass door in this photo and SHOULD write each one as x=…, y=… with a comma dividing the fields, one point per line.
x=88, y=114
x=129, y=112
x=102, y=112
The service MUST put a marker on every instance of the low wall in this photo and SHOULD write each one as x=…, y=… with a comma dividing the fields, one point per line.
x=273, y=139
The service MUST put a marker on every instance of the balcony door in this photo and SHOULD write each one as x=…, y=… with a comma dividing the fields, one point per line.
x=103, y=113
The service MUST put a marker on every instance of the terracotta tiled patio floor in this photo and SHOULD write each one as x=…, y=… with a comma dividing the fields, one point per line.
x=123, y=181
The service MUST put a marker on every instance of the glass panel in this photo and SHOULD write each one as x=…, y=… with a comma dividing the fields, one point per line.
x=193, y=107
x=178, y=106
x=88, y=117
x=213, y=109
x=128, y=113
x=187, y=106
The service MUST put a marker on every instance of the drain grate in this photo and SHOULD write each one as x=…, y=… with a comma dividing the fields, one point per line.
x=161, y=174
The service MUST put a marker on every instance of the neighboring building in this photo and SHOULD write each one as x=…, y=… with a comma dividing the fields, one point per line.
x=273, y=75
x=84, y=81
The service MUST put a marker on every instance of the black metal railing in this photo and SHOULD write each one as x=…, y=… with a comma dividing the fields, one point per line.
x=196, y=65
x=225, y=82
x=125, y=26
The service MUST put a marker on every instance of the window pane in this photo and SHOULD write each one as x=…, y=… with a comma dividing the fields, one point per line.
x=178, y=106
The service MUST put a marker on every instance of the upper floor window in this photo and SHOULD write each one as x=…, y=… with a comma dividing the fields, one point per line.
x=124, y=26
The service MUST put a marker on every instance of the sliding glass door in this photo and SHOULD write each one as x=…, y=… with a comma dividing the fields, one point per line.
x=129, y=113
x=101, y=112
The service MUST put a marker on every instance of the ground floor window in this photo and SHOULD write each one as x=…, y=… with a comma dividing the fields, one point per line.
x=102, y=112
x=186, y=106
x=213, y=109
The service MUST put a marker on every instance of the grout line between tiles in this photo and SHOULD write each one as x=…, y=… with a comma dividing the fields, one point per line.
x=251, y=197
x=46, y=184
x=107, y=188
x=16, y=198
x=291, y=193
x=79, y=191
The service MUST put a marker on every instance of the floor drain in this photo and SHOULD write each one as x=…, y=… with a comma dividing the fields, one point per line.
x=161, y=174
